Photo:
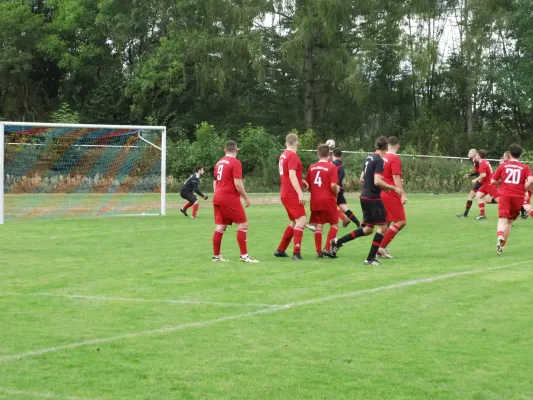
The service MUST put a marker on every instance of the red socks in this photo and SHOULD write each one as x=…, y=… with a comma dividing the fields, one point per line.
x=187, y=206
x=342, y=216
x=332, y=234
x=195, y=209
x=482, y=208
x=217, y=242
x=318, y=241
x=298, y=235
x=286, y=239
x=390, y=234
x=241, y=239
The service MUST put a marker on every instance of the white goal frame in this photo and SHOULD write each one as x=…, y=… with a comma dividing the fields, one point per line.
x=163, y=150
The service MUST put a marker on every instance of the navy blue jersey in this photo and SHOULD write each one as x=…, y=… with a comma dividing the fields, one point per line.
x=373, y=165
x=191, y=185
x=342, y=172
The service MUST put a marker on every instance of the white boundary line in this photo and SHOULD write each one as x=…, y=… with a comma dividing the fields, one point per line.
x=54, y=396
x=138, y=300
x=270, y=310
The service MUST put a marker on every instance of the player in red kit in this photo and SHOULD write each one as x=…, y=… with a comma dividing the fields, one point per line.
x=290, y=171
x=515, y=180
x=228, y=190
x=394, y=202
x=322, y=179
x=472, y=155
x=488, y=191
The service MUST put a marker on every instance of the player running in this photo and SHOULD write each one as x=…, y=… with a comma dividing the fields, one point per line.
x=187, y=192
x=322, y=179
x=228, y=189
x=472, y=156
x=393, y=202
x=373, y=209
x=290, y=171
x=336, y=157
x=488, y=192
x=515, y=180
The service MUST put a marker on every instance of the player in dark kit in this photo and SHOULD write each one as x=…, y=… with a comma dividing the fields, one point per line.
x=341, y=201
x=472, y=155
x=373, y=209
x=187, y=192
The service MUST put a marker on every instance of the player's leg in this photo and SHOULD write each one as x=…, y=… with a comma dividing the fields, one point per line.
x=390, y=234
x=469, y=203
x=343, y=217
x=195, y=207
x=217, y=242
x=318, y=240
x=505, y=218
x=376, y=244
x=366, y=228
x=344, y=208
x=190, y=202
x=480, y=195
x=242, y=232
x=332, y=234
x=298, y=235
x=396, y=221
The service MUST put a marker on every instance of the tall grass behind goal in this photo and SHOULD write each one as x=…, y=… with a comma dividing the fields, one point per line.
x=69, y=171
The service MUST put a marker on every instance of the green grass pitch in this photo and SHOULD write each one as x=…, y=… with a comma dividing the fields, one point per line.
x=133, y=308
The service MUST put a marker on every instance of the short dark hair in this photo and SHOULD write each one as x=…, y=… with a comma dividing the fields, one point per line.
x=337, y=153
x=198, y=168
x=393, y=141
x=231, y=146
x=482, y=153
x=323, y=151
x=382, y=143
x=515, y=150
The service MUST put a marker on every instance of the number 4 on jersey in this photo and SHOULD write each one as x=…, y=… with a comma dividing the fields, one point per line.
x=318, y=179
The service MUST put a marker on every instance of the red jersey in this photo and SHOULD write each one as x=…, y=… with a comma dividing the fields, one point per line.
x=514, y=176
x=320, y=176
x=485, y=167
x=226, y=170
x=289, y=160
x=330, y=161
x=393, y=166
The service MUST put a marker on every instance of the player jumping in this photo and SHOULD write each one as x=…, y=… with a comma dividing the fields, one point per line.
x=336, y=157
x=472, y=156
x=488, y=192
x=322, y=179
x=393, y=202
x=228, y=189
x=373, y=209
x=515, y=180
x=290, y=171
x=187, y=192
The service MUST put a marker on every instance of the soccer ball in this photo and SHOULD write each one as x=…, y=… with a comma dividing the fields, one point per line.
x=330, y=143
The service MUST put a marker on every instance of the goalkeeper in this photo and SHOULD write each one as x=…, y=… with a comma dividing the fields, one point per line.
x=187, y=192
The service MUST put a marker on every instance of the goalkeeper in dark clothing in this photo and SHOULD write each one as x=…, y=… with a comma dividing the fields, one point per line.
x=187, y=192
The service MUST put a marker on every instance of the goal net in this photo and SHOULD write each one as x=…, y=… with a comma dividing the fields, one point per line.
x=69, y=171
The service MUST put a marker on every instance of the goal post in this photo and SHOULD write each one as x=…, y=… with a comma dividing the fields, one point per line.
x=52, y=171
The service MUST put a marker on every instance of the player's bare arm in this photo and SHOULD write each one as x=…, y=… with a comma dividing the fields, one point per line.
x=296, y=185
x=480, y=178
x=240, y=188
x=378, y=181
x=362, y=177
x=335, y=189
x=398, y=182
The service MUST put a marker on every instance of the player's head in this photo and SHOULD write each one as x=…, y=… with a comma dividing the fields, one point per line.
x=472, y=154
x=482, y=154
x=323, y=152
x=291, y=140
x=337, y=154
x=516, y=151
x=394, y=144
x=382, y=144
x=231, y=147
x=199, y=170
x=506, y=156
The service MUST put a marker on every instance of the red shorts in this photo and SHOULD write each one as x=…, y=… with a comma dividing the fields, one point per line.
x=324, y=217
x=509, y=207
x=491, y=190
x=229, y=214
x=393, y=206
x=294, y=209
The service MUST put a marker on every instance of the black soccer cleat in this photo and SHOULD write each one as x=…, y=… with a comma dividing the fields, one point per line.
x=297, y=257
x=319, y=255
x=279, y=253
x=184, y=212
x=372, y=262
x=328, y=253
x=335, y=246
x=461, y=216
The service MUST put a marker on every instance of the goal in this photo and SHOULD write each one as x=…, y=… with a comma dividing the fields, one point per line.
x=70, y=171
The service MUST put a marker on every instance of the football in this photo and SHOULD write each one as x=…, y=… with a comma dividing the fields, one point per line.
x=330, y=143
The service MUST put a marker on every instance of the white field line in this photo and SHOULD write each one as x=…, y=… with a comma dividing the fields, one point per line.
x=270, y=310
x=138, y=300
x=54, y=396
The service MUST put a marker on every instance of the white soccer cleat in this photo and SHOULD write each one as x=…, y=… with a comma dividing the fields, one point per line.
x=219, y=259
x=384, y=253
x=500, y=246
x=310, y=227
x=248, y=259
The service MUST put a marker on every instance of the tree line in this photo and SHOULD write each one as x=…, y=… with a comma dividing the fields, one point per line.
x=443, y=75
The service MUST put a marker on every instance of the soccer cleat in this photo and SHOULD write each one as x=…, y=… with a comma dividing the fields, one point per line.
x=319, y=255
x=335, y=246
x=328, y=253
x=480, y=217
x=372, y=262
x=248, y=259
x=279, y=253
x=524, y=215
x=461, y=216
x=184, y=212
x=499, y=246
x=384, y=253
x=312, y=228
x=297, y=257
x=195, y=217
x=219, y=259
x=346, y=223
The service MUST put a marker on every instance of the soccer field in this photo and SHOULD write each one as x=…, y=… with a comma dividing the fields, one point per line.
x=133, y=308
